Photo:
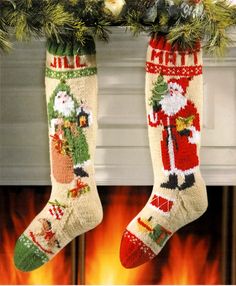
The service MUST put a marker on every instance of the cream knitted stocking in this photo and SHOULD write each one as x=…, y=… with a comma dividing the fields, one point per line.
x=174, y=99
x=74, y=206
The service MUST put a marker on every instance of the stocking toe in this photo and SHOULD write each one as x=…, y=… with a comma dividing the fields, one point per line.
x=133, y=252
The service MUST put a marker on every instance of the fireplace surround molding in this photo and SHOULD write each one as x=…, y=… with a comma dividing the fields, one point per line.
x=122, y=155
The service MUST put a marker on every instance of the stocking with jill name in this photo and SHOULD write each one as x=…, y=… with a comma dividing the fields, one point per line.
x=174, y=97
x=74, y=206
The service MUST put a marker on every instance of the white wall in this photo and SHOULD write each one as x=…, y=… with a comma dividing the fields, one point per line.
x=122, y=156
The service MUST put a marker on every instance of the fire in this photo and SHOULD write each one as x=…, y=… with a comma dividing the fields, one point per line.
x=188, y=263
x=187, y=257
x=102, y=255
x=56, y=271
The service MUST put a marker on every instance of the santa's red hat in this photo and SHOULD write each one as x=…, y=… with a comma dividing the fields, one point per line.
x=180, y=84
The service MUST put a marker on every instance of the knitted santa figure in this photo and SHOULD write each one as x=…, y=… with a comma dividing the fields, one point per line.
x=180, y=121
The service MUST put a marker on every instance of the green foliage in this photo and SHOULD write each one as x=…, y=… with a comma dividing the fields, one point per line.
x=134, y=22
x=219, y=17
x=62, y=20
x=5, y=44
x=212, y=26
x=186, y=35
x=54, y=19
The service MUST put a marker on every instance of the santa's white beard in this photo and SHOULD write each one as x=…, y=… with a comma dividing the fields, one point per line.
x=64, y=108
x=172, y=104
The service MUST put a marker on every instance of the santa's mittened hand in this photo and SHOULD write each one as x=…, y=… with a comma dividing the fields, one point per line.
x=156, y=107
x=195, y=136
x=185, y=132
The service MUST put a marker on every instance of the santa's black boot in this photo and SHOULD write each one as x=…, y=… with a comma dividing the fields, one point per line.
x=172, y=183
x=189, y=182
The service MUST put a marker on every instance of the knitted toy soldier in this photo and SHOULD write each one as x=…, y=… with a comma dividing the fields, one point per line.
x=74, y=206
x=174, y=105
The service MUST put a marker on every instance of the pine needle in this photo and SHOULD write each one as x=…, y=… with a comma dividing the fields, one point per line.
x=186, y=35
x=55, y=18
x=5, y=45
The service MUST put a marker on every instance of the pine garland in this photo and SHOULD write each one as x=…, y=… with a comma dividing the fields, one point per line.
x=182, y=22
x=186, y=29
x=5, y=44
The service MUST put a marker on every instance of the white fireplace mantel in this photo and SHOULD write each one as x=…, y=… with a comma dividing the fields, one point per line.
x=122, y=156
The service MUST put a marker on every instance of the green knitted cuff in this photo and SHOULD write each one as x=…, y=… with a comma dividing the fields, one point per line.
x=71, y=47
x=70, y=74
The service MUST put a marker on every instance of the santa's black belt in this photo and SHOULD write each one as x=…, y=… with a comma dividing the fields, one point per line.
x=170, y=135
x=169, y=126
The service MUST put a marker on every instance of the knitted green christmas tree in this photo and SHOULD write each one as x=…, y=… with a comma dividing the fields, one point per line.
x=158, y=92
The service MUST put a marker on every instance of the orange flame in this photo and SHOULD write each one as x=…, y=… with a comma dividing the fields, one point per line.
x=188, y=263
x=56, y=271
x=102, y=254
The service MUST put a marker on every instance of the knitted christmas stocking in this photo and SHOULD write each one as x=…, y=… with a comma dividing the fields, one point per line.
x=74, y=206
x=174, y=95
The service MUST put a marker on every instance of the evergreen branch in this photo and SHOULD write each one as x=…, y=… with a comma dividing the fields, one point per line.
x=134, y=22
x=5, y=44
x=28, y=3
x=186, y=35
x=55, y=19
x=80, y=31
x=218, y=19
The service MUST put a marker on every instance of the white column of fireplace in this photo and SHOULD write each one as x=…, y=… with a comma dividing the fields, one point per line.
x=122, y=156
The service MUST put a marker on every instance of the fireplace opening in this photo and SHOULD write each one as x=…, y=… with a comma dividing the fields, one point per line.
x=199, y=253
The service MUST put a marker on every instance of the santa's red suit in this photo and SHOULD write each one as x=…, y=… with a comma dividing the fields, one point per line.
x=179, y=152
